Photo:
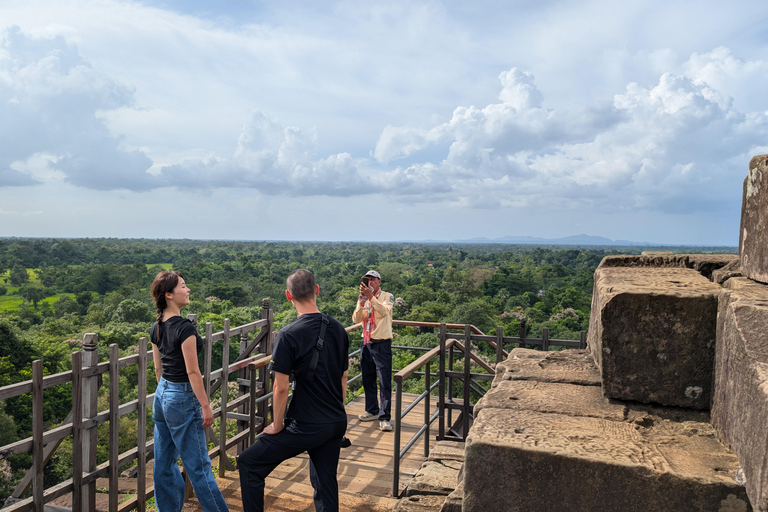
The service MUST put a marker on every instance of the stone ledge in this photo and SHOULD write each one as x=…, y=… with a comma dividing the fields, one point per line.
x=740, y=401
x=569, y=399
x=705, y=264
x=531, y=461
x=564, y=366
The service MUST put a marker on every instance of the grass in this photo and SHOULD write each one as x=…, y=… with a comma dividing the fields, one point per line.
x=12, y=301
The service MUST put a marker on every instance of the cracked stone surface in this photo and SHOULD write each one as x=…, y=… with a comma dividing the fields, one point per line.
x=537, y=461
x=740, y=402
x=564, y=366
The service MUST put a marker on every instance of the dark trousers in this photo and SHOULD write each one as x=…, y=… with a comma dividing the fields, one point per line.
x=376, y=359
x=322, y=442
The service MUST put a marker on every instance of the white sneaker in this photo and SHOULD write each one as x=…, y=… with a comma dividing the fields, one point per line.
x=385, y=426
x=367, y=417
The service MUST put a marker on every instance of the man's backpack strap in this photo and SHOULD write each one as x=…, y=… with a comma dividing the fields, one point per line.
x=318, y=348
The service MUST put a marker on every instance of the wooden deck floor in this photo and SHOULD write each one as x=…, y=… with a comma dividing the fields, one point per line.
x=365, y=469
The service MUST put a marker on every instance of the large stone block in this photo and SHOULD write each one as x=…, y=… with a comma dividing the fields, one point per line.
x=705, y=264
x=740, y=401
x=753, y=236
x=565, y=366
x=652, y=334
x=518, y=460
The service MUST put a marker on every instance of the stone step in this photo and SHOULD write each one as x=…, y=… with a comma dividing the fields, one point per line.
x=437, y=478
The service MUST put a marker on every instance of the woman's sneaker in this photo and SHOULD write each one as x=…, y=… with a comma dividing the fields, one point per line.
x=367, y=417
x=385, y=426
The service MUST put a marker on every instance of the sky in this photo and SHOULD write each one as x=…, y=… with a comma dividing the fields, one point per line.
x=380, y=121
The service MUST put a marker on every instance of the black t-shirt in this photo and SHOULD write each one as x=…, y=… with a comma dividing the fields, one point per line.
x=174, y=332
x=320, y=400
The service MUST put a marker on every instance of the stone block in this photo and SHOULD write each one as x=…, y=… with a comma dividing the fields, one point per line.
x=753, y=235
x=453, y=502
x=567, y=399
x=705, y=264
x=435, y=477
x=420, y=504
x=652, y=334
x=721, y=275
x=740, y=401
x=565, y=366
x=518, y=460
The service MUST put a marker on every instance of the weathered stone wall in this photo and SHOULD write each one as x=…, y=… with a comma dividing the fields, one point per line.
x=740, y=401
x=753, y=236
x=652, y=334
x=541, y=443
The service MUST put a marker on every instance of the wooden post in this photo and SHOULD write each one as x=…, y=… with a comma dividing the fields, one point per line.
x=427, y=415
x=545, y=339
x=223, y=388
x=582, y=340
x=499, y=344
x=114, y=427
x=242, y=390
x=467, y=380
x=37, y=435
x=522, y=333
x=441, y=387
x=141, y=478
x=90, y=409
x=266, y=348
x=207, y=362
x=252, y=409
x=77, y=431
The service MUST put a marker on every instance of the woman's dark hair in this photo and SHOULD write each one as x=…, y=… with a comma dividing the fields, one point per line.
x=164, y=283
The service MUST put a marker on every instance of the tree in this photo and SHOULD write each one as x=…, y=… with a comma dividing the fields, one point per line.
x=18, y=275
x=132, y=310
x=33, y=293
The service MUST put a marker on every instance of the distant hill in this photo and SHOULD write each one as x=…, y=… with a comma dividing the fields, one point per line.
x=568, y=240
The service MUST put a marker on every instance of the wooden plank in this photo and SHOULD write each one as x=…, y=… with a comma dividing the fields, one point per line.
x=77, y=432
x=224, y=389
x=37, y=435
x=114, y=427
x=141, y=478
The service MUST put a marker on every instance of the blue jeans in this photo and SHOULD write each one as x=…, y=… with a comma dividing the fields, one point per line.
x=179, y=432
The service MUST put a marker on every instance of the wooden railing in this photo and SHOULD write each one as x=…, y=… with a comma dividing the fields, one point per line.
x=83, y=420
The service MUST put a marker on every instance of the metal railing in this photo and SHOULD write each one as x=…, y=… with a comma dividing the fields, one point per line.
x=445, y=378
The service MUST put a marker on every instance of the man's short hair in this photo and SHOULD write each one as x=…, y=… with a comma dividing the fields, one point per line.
x=301, y=284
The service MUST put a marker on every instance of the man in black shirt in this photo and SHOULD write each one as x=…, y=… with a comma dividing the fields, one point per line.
x=315, y=350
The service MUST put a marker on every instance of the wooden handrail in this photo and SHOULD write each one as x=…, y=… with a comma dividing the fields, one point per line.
x=411, y=368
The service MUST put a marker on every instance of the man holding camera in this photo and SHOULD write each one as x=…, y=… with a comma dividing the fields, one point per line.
x=315, y=349
x=374, y=311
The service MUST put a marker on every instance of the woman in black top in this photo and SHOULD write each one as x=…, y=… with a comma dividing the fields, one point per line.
x=181, y=409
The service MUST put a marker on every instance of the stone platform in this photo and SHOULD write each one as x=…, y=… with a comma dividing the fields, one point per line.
x=537, y=445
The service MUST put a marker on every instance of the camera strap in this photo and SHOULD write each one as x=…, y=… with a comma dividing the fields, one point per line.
x=318, y=348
